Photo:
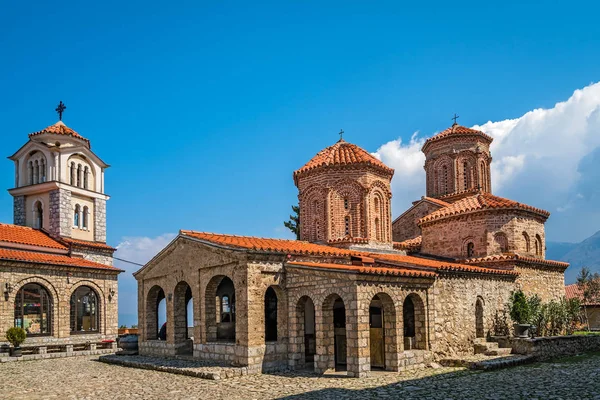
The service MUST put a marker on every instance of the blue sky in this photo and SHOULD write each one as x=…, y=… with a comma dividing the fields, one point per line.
x=204, y=109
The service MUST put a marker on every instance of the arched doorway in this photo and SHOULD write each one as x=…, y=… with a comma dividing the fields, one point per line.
x=33, y=310
x=305, y=314
x=182, y=297
x=156, y=314
x=334, y=332
x=85, y=311
x=413, y=316
x=479, y=327
x=220, y=310
x=376, y=335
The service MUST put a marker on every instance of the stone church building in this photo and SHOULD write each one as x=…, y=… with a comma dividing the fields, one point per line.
x=358, y=291
x=56, y=271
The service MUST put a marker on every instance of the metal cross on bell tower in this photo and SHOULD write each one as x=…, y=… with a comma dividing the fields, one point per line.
x=455, y=118
x=60, y=109
x=341, y=134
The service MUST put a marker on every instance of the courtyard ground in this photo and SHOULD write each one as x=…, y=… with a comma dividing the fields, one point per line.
x=86, y=378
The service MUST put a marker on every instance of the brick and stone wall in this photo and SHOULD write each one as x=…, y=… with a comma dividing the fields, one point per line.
x=360, y=193
x=406, y=226
x=60, y=282
x=19, y=211
x=97, y=255
x=556, y=346
x=454, y=308
x=61, y=213
x=449, y=237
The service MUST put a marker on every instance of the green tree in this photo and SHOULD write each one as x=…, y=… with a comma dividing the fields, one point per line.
x=589, y=285
x=294, y=223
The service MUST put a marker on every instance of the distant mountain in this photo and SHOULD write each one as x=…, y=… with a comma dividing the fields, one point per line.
x=584, y=254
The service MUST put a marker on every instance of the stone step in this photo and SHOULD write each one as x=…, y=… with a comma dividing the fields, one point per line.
x=486, y=363
x=498, y=352
x=480, y=340
x=483, y=348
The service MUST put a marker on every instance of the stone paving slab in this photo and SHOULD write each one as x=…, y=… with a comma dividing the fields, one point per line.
x=181, y=366
x=84, y=378
x=484, y=362
x=62, y=354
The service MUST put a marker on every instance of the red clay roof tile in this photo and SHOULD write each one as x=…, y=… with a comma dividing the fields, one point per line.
x=60, y=128
x=413, y=244
x=53, y=259
x=97, y=245
x=480, y=202
x=457, y=130
x=367, y=270
x=27, y=236
x=342, y=153
x=573, y=291
x=514, y=257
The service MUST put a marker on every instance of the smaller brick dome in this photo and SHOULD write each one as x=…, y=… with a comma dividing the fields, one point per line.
x=456, y=131
x=342, y=153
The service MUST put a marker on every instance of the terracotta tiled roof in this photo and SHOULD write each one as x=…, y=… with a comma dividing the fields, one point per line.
x=342, y=153
x=574, y=292
x=53, y=259
x=515, y=257
x=413, y=244
x=436, y=201
x=457, y=130
x=368, y=270
x=439, y=265
x=480, y=202
x=87, y=243
x=60, y=128
x=268, y=245
x=27, y=236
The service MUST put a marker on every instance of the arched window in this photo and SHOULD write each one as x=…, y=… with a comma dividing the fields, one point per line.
x=376, y=203
x=38, y=215
x=470, y=249
x=72, y=173
x=377, y=229
x=539, y=249
x=501, y=242
x=526, y=242
x=84, y=310
x=30, y=172
x=76, y=216
x=445, y=182
x=84, y=217
x=347, y=226
x=33, y=310
x=86, y=172
x=36, y=172
x=270, y=315
x=42, y=171
x=79, y=172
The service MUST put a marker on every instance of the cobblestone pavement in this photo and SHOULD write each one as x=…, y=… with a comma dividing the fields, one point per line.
x=86, y=378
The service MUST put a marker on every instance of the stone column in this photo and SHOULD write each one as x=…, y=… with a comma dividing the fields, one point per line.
x=357, y=338
x=60, y=212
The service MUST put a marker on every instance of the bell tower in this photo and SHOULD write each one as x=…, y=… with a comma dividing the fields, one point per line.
x=59, y=186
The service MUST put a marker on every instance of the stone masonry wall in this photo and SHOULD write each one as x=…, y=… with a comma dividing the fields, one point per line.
x=557, y=346
x=60, y=282
x=449, y=237
x=455, y=298
x=405, y=226
x=100, y=220
x=546, y=282
x=100, y=256
x=60, y=208
x=19, y=211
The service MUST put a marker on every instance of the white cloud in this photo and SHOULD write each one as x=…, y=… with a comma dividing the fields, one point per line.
x=536, y=160
x=140, y=250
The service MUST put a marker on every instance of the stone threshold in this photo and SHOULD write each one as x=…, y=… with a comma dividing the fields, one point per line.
x=62, y=354
x=487, y=363
x=180, y=365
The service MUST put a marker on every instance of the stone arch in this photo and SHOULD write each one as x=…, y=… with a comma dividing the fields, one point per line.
x=101, y=299
x=304, y=330
x=81, y=171
x=539, y=246
x=155, y=295
x=467, y=163
x=312, y=213
x=37, y=209
x=182, y=296
x=414, y=322
x=479, y=317
x=37, y=167
x=383, y=328
x=54, y=300
x=347, y=204
x=443, y=175
x=500, y=243
x=333, y=332
x=378, y=214
x=220, y=309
